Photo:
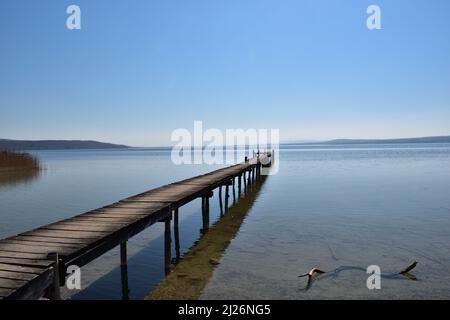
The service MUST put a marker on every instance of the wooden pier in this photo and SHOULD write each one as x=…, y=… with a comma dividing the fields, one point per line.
x=33, y=264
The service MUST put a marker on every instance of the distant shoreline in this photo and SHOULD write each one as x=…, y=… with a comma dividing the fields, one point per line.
x=35, y=145
x=435, y=139
x=56, y=145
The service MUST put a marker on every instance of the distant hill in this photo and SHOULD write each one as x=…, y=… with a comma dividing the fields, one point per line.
x=55, y=145
x=440, y=139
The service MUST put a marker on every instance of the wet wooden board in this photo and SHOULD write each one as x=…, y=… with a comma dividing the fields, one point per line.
x=26, y=271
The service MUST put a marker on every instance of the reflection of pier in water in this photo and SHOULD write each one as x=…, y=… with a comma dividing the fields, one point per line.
x=194, y=270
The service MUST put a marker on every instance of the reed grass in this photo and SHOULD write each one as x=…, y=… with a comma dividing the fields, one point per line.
x=13, y=160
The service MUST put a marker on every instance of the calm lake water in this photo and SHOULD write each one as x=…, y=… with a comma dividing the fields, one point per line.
x=339, y=208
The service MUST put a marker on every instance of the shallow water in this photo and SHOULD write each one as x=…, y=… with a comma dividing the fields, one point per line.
x=328, y=206
x=352, y=206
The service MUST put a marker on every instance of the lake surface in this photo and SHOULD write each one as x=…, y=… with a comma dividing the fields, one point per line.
x=332, y=207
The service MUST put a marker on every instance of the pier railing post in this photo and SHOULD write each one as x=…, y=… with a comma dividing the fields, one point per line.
x=54, y=292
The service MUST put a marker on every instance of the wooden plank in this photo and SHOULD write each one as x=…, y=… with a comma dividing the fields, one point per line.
x=33, y=256
x=120, y=215
x=101, y=229
x=123, y=204
x=116, y=213
x=11, y=284
x=5, y=292
x=139, y=203
x=210, y=182
x=34, y=288
x=16, y=276
x=201, y=181
x=127, y=209
x=37, y=239
x=131, y=206
x=40, y=244
x=33, y=249
x=176, y=189
x=63, y=234
x=82, y=223
x=26, y=262
x=96, y=219
x=165, y=197
x=172, y=190
x=11, y=267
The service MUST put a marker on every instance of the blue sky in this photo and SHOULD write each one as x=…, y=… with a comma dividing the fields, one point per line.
x=139, y=69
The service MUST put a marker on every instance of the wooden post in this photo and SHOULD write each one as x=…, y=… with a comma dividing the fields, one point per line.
x=220, y=200
x=244, y=180
x=227, y=195
x=124, y=270
x=123, y=253
x=205, y=214
x=207, y=210
x=54, y=292
x=176, y=235
x=239, y=185
x=167, y=247
x=234, y=192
